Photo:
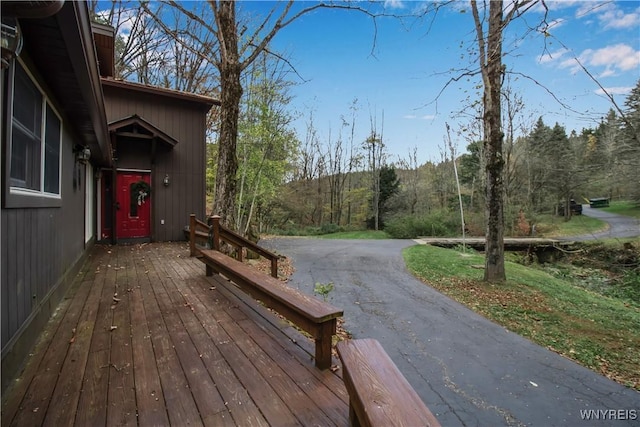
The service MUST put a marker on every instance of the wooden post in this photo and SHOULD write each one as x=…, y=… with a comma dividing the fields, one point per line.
x=274, y=267
x=323, y=343
x=240, y=250
x=215, y=228
x=192, y=235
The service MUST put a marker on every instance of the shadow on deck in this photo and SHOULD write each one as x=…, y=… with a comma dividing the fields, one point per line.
x=145, y=338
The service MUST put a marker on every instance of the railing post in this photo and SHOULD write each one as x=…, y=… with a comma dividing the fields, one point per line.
x=240, y=250
x=274, y=267
x=192, y=235
x=215, y=228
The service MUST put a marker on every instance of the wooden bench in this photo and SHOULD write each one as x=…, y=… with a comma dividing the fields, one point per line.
x=316, y=317
x=379, y=395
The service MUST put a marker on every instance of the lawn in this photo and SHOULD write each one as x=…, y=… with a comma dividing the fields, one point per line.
x=599, y=332
x=557, y=226
x=624, y=208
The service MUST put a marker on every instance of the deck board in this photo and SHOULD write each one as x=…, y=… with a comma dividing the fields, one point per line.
x=187, y=350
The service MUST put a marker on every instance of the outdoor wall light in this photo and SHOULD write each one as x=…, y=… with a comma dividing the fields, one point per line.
x=166, y=181
x=11, y=40
x=83, y=154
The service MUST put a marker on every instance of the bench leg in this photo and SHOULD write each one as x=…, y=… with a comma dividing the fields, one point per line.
x=209, y=270
x=353, y=417
x=323, y=344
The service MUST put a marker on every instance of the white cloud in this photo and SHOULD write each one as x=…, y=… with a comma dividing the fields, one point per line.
x=570, y=63
x=593, y=8
x=607, y=73
x=619, y=56
x=612, y=59
x=414, y=117
x=556, y=23
x=610, y=15
x=618, y=19
x=552, y=56
x=619, y=90
x=394, y=4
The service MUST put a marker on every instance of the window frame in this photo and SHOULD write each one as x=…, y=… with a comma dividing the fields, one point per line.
x=17, y=196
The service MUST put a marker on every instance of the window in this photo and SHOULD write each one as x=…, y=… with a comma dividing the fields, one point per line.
x=36, y=133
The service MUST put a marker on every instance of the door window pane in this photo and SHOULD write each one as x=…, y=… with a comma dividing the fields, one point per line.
x=134, y=195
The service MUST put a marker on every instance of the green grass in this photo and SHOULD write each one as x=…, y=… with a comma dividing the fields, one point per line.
x=556, y=226
x=363, y=234
x=599, y=332
x=624, y=208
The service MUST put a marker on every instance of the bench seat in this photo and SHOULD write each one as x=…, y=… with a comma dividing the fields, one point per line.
x=379, y=395
x=312, y=315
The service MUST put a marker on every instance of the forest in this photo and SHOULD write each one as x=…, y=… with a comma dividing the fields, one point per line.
x=285, y=182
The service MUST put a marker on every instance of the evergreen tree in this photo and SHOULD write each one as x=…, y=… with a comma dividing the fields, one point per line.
x=389, y=186
x=628, y=150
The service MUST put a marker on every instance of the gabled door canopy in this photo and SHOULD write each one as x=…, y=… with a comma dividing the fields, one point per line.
x=135, y=126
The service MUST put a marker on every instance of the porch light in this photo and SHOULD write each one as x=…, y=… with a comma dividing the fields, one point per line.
x=83, y=154
x=166, y=181
x=11, y=40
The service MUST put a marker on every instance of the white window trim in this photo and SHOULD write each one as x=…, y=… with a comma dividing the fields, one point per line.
x=45, y=102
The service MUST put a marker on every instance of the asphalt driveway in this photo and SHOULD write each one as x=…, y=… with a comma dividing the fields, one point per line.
x=468, y=370
x=619, y=225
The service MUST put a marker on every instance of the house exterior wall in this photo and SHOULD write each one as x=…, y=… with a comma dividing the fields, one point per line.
x=44, y=232
x=40, y=249
x=185, y=163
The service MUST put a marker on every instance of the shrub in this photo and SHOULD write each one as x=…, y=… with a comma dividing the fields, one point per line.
x=436, y=223
x=330, y=228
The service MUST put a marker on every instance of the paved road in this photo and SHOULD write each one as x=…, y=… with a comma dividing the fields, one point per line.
x=469, y=371
x=619, y=225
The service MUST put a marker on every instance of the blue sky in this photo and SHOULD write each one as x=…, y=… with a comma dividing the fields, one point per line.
x=401, y=72
x=398, y=70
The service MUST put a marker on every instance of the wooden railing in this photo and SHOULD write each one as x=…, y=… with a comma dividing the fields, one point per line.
x=215, y=233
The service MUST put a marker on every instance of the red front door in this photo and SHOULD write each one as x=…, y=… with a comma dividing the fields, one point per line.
x=133, y=208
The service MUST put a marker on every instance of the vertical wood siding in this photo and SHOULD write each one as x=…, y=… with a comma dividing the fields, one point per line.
x=185, y=163
x=39, y=246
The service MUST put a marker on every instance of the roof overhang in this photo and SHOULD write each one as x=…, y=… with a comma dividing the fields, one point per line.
x=61, y=47
x=138, y=128
x=205, y=101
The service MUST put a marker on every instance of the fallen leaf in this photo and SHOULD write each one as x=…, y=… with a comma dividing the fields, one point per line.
x=113, y=328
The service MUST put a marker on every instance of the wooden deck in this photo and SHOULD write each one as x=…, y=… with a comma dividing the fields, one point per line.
x=144, y=338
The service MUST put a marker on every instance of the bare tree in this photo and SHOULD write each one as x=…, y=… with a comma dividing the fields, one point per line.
x=376, y=156
x=237, y=49
x=489, y=38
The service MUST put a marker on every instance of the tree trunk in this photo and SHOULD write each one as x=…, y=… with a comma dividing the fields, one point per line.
x=490, y=50
x=231, y=94
x=494, y=248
